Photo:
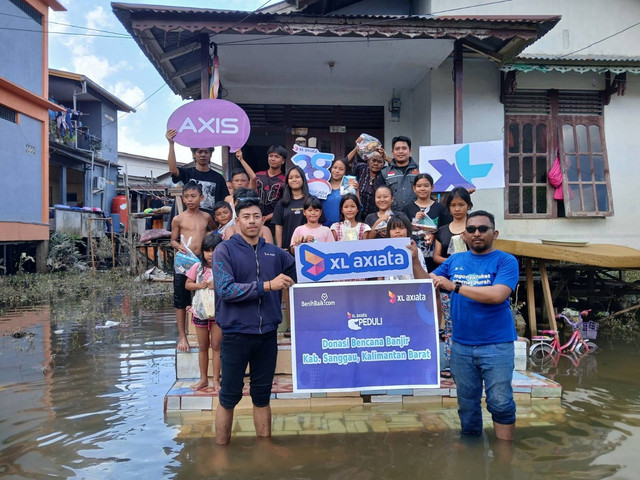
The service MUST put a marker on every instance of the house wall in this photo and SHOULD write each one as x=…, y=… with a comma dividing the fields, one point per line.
x=101, y=199
x=484, y=121
x=21, y=171
x=109, y=132
x=583, y=22
x=21, y=52
x=421, y=114
x=142, y=168
x=303, y=96
x=25, y=149
x=92, y=116
x=377, y=7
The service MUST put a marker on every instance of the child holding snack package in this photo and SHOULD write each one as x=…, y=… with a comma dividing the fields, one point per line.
x=200, y=280
x=192, y=225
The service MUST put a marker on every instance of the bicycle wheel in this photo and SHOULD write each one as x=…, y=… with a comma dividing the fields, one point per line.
x=539, y=352
x=580, y=347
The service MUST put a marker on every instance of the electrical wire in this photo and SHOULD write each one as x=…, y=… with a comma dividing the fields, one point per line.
x=181, y=65
x=601, y=40
x=247, y=42
x=250, y=13
x=76, y=34
x=68, y=25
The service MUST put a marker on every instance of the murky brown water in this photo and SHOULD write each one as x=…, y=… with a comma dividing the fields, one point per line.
x=81, y=402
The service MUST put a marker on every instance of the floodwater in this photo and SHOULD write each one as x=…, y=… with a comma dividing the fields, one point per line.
x=78, y=401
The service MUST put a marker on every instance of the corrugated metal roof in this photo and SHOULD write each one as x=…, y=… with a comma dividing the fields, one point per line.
x=501, y=18
x=161, y=29
x=131, y=7
x=579, y=58
x=123, y=107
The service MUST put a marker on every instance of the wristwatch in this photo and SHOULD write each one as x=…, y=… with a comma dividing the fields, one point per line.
x=457, y=289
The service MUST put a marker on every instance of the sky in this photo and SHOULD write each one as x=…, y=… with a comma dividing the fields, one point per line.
x=117, y=64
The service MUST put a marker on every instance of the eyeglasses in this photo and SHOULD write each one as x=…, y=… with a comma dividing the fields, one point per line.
x=376, y=160
x=482, y=229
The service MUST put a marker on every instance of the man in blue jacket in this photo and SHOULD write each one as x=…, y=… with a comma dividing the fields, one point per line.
x=249, y=276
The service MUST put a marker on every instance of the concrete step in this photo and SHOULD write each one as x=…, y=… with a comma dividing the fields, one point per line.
x=187, y=362
x=529, y=389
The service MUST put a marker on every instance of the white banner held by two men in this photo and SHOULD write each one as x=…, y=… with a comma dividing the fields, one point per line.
x=478, y=165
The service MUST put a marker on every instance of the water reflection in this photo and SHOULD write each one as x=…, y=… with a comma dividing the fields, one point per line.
x=76, y=401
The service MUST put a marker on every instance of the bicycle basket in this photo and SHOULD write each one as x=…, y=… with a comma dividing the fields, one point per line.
x=589, y=330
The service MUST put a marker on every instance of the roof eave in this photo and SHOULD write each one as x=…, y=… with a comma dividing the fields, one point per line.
x=121, y=106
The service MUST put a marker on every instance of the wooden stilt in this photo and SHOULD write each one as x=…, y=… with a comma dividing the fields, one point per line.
x=531, y=302
x=546, y=292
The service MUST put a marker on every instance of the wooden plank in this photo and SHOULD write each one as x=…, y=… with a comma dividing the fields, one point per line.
x=546, y=292
x=457, y=92
x=204, y=66
x=598, y=255
x=531, y=301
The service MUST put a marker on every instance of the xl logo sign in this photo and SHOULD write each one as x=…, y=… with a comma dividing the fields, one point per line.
x=471, y=165
x=210, y=123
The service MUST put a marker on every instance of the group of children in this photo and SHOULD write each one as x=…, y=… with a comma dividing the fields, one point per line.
x=297, y=217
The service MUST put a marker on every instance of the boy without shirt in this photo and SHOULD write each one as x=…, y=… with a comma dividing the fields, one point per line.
x=191, y=224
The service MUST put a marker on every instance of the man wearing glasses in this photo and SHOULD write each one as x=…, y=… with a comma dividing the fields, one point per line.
x=481, y=281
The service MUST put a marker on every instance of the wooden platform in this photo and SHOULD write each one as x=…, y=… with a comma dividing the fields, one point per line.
x=528, y=388
x=599, y=255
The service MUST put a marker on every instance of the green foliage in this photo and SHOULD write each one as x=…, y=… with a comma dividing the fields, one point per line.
x=54, y=288
x=64, y=254
x=622, y=327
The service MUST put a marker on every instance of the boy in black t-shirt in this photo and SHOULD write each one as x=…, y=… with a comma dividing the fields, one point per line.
x=214, y=187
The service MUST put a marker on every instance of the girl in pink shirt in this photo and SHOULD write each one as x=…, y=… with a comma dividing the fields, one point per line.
x=313, y=230
x=200, y=277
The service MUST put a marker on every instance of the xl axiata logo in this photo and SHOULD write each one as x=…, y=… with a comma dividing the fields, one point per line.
x=460, y=173
x=316, y=265
x=355, y=321
x=407, y=297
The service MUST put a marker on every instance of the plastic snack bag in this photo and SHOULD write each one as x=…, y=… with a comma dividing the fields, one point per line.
x=204, y=301
x=424, y=225
x=349, y=233
x=366, y=146
x=184, y=261
x=456, y=245
x=382, y=226
x=204, y=304
x=346, y=187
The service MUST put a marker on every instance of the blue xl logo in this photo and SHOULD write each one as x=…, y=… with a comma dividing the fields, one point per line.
x=460, y=173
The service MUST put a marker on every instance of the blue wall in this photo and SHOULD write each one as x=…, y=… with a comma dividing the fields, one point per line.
x=109, y=133
x=92, y=116
x=20, y=171
x=21, y=53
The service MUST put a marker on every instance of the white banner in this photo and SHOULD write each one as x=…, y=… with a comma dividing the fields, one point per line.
x=331, y=261
x=478, y=165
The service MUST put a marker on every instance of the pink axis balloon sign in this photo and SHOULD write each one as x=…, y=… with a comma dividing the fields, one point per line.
x=210, y=123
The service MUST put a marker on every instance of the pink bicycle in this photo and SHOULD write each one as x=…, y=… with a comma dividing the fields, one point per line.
x=548, y=343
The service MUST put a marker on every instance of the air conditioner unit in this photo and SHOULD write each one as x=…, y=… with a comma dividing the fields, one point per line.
x=99, y=183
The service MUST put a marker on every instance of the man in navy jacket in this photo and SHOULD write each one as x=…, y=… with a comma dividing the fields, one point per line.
x=249, y=276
